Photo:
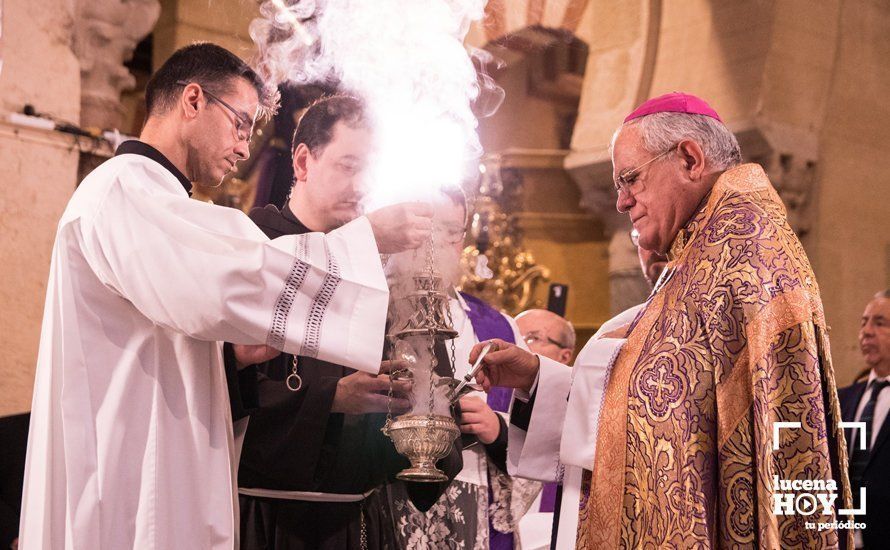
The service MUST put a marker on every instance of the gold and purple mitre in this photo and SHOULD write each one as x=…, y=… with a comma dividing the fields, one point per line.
x=674, y=102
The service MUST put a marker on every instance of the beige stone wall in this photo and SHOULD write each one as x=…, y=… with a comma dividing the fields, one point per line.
x=618, y=38
x=43, y=169
x=797, y=79
x=38, y=65
x=851, y=242
x=223, y=22
x=523, y=121
x=39, y=172
x=563, y=237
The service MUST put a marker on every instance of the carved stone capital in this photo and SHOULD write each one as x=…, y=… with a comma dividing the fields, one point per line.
x=790, y=158
x=106, y=33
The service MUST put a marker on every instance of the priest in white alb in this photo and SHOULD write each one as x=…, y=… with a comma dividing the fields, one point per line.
x=131, y=441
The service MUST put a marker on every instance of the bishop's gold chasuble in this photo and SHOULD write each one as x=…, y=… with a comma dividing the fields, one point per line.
x=732, y=341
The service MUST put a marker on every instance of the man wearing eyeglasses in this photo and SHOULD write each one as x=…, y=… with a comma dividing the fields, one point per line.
x=131, y=437
x=547, y=334
x=682, y=448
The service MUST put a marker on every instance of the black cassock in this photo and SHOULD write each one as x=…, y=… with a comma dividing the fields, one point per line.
x=295, y=443
x=13, y=443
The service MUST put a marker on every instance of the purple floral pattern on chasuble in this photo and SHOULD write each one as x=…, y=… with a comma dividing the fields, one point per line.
x=732, y=342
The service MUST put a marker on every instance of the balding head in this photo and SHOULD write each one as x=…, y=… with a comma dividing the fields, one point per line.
x=547, y=334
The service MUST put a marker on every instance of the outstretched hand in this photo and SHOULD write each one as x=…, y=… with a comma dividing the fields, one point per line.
x=505, y=365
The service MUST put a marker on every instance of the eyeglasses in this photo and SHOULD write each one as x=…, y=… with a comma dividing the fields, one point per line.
x=629, y=177
x=243, y=125
x=452, y=234
x=535, y=337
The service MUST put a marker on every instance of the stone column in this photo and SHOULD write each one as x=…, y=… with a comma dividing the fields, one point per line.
x=627, y=286
x=623, y=39
x=790, y=157
x=105, y=34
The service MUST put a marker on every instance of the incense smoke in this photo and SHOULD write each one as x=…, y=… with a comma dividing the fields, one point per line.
x=407, y=61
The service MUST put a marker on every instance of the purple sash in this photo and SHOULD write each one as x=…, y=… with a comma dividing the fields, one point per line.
x=488, y=323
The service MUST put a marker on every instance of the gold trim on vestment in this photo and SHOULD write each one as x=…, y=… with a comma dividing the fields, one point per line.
x=607, y=483
x=720, y=284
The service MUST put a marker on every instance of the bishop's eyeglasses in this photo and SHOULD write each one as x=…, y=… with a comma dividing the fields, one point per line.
x=629, y=176
x=243, y=124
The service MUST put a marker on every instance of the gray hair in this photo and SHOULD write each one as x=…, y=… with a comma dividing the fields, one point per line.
x=883, y=294
x=661, y=131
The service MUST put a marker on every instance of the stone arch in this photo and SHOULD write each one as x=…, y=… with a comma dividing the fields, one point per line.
x=504, y=17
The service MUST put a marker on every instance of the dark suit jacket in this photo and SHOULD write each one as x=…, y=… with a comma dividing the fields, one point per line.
x=877, y=474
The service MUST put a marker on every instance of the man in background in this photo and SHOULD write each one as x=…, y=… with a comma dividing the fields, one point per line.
x=547, y=334
x=869, y=402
